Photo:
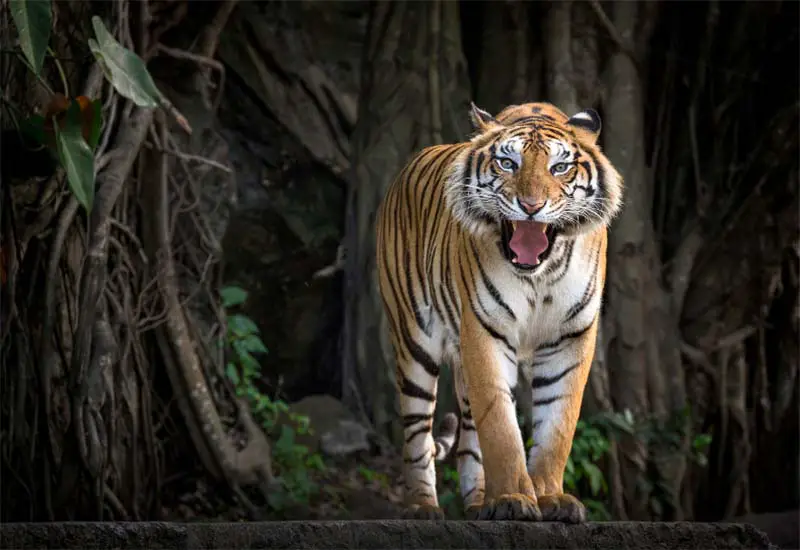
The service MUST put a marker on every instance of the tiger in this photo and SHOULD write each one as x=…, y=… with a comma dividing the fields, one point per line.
x=491, y=259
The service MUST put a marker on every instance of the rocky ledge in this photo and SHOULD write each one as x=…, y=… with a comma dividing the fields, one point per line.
x=381, y=534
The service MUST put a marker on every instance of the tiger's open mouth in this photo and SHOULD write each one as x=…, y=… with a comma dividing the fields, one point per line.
x=526, y=244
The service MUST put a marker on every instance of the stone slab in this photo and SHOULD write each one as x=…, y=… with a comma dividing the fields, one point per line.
x=381, y=534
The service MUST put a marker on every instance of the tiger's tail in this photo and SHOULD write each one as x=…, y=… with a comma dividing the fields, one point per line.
x=447, y=436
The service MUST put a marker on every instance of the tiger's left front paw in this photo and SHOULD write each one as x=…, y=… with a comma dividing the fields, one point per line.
x=562, y=507
x=515, y=507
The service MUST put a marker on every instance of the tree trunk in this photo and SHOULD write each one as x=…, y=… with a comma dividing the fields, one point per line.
x=628, y=267
x=393, y=122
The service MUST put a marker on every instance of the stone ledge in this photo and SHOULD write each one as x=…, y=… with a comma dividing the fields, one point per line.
x=381, y=534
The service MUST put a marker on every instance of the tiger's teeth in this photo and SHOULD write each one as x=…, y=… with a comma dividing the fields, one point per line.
x=543, y=227
x=513, y=225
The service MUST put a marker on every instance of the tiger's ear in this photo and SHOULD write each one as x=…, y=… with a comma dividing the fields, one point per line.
x=587, y=125
x=481, y=120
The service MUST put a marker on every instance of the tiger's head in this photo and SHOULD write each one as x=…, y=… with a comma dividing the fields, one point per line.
x=537, y=174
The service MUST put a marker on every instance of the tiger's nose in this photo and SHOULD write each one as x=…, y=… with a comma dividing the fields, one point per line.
x=531, y=206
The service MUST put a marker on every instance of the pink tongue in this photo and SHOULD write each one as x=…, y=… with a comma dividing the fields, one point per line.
x=528, y=242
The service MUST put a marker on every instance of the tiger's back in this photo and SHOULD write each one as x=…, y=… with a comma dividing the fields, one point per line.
x=417, y=235
x=491, y=256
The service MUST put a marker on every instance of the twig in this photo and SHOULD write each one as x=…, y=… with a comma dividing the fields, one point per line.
x=337, y=265
x=210, y=38
x=190, y=157
x=736, y=337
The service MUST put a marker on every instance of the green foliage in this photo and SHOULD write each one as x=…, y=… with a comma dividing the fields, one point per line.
x=33, y=20
x=125, y=70
x=76, y=156
x=373, y=476
x=590, y=445
x=294, y=464
x=78, y=133
x=592, y=442
x=450, y=492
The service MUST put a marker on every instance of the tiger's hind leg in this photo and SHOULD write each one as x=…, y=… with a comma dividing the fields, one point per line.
x=558, y=378
x=417, y=375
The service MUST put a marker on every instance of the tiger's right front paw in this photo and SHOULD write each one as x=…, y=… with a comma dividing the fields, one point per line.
x=423, y=512
x=515, y=507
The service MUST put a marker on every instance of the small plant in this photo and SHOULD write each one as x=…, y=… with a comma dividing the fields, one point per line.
x=293, y=462
x=450, y=492
x=371, y=476
x=589, y=446
x=592, y=442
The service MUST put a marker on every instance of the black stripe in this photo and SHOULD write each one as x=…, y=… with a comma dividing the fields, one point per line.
x=414, y=460
x=416, y=433
x=588, y=293
x=566, y=259
x=565, y=337
x=418, y=354
x=546, y=400
x=421, y=323
x=469, y=452
x=493, y=333
x=411, y=419
x=544, y=381
x=411, y=389
x=488, y=283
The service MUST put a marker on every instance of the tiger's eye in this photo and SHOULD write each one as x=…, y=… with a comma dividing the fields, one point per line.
x=507, y=164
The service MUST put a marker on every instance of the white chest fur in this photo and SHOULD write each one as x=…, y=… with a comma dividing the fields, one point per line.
x=562, y=296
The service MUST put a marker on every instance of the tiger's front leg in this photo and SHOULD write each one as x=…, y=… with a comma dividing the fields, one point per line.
x=488, y=364
x=558, y=378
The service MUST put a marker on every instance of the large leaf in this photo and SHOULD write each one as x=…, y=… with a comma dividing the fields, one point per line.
x=76, y=156
x=125, y=70
x=33, y=20
x=233, y=296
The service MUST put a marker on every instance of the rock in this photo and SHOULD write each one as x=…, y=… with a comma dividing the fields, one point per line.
x=335, y=431
x=782, y=528
x=346, y=438
x=381, y=534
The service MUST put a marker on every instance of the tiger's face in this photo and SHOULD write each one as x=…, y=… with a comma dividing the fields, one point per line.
x=537, y=174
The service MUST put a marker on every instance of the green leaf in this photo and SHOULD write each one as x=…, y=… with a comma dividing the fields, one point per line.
x=596, y=478
x=33, y=20
x=125, y=70
x=97, y=124
x=76, y=156
x=232, y=373
x=702, y=441
x=241, y=326
x=232, y=296
x=253, y=344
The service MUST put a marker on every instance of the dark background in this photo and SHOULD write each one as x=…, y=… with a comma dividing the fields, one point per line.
x=320, y=106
